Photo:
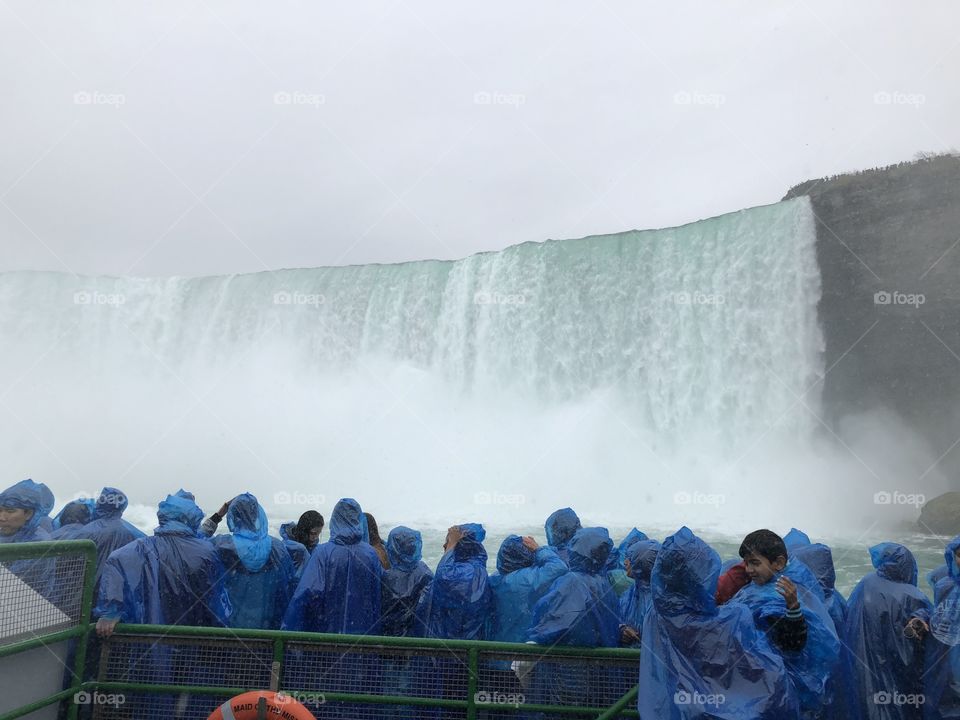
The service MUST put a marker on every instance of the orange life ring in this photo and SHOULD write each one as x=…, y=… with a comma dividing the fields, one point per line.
x=244, y=707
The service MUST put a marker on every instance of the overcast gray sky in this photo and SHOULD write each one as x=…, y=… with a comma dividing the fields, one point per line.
x=203, y=137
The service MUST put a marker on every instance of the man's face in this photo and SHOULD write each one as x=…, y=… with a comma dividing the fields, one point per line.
x=12, y=519
x=760, y=570
x=313, y=537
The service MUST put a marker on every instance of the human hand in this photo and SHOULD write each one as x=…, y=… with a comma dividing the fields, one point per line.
x=454, y=535
x=106, y=626
x=915, y=629
x=629, y=635
x=788, y=590
x=530, y=544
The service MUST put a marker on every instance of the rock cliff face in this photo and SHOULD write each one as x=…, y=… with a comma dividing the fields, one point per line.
x=888, y=245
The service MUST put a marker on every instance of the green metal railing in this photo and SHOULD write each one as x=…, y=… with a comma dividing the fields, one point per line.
x=210, y=665
x=74, y=592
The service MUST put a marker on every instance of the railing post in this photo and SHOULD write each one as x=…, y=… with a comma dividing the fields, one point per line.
x=472, y=682
x=276, y=670
x=86, y=606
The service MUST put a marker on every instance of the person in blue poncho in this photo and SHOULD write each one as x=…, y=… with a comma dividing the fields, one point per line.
x=23, y=507
x=260, y=576
x=108, y=530
x=525, y=571
x=296, y=550
x=339, y=591
x=404, y=583
x=456, y=605
x=634, y=604
x=458, y=601
x=71, y=519
x=935, y=576
x=701, y=660
x=560, y=527
x=883, y=664
x=787, y=604
x=796, y=539
x=171, y=578
x=939, y=630
x=579, y=609
x=615, y=569
x=819, y=559
x=306, y=531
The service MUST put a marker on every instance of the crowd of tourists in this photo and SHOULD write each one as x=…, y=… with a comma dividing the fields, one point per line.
x=764, y=635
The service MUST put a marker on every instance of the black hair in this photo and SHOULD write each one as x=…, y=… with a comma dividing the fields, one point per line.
x=310, y=519
x=764, y=543
x=76, y=512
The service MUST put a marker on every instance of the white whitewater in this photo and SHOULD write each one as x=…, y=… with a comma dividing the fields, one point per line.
x=652, y=372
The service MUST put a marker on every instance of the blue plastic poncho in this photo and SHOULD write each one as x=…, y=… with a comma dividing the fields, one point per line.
x=522, y=578
x=247, y=522
x=580, y=608
x=458, y=602
x=819, y=559
x=339, y=591
x=171, y=578
x=935, y=576
x=75, y=512
x=614, y=568
x=28, y=495
x=71, y=519
x=108, y=530
x=702, y=661
x=635, y=603
x=560, y=527
x=260, y=576
x=879, y=662
x=809, y=669
x=795, y=539
x=405, y=581
x=942, y=645
x=297, y=550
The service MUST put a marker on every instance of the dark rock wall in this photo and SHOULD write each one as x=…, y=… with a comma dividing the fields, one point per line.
x=894, y=231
